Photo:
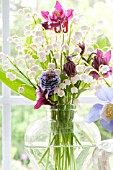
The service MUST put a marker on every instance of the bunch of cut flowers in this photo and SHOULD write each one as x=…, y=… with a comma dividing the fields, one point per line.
x=59, y=57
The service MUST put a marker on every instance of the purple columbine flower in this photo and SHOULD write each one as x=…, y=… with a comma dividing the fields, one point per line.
x=57, y=19
x=103, y=112
x=70, y=67
x=43, y=98
x=99, y=60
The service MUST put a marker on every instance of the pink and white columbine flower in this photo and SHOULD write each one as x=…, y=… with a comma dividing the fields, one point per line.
x=57, y=19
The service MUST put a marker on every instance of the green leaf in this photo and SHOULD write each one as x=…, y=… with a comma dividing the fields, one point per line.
x=29, y=91
x=102, y=42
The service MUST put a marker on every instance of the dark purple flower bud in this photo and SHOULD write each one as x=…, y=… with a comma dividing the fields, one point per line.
x=49, y=80
x=99, y=60
x=69, y=67
x=82, y=46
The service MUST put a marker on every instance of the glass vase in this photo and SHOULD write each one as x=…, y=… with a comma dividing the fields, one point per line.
x=63, y=141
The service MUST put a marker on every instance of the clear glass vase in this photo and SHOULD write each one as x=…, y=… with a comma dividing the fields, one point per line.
x=63, y=141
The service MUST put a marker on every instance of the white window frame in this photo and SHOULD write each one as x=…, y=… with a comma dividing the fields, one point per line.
x=6, y=100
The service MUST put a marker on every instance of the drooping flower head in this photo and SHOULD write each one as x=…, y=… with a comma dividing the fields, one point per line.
x=57, y=19
x=101, y=59
x=103, y=112
x=70, y=67
x=82, y=47
x=48, y=81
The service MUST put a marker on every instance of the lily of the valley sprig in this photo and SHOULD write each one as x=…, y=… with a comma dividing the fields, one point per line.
x=57, y=59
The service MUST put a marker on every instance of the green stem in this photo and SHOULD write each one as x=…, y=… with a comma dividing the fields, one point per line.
x=46, y=151
x=22, y=73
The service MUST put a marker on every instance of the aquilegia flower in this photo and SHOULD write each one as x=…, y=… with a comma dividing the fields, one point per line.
x=101, y=59
x=103, y=112
x=70, y=67
x=57, y=19
x=43, y=98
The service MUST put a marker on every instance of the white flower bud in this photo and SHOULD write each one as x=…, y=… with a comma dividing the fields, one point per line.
x=51, y=65
x=27, y=71
x=16, y=40
x=21, y=89
x=77, y=50
x=27, y=27
x=90, y=79
x=78, y=35
x=57, y=71
x=84, y=28
x=32, y=74
x=62, y=86
x=75, y=79
x=20, y=62
x=2, y=55
x=56, y=90
x=21, y=12
x=61, y=93
x=11, y=76
x=20, y=52
x=65, y=48
x=74, y=90
x=55, y=46
x=104, y=69
x=28, y=16
x=6, y=67
x=10, y=39
x=80, y=68
x=37, y=40
x=38, y=33
x=28, y=57
x=42, y=56
x=19, y=47
x=76, y=102
x=90, y=50
x=56, y=55
x=97, y=88
x=35, y=68
x=31, y=61
x=27, y=33
x=49, y=47
x=84, y=77
x=67, y=82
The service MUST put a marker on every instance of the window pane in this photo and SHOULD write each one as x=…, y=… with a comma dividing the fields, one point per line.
x=22, y=116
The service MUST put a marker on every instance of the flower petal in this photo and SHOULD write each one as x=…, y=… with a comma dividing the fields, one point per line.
x=58, y=6
x=94, y=113
x=107, y=55
x=45, y=14
x=69, y=13
x=107, y=125
x=105, y=93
